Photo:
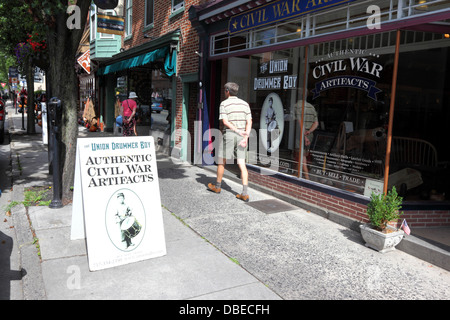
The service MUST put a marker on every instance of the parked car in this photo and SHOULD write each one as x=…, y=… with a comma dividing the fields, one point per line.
x=157, y=104
x=2, y=121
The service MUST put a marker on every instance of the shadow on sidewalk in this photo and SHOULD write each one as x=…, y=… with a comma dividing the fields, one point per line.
x=6, y=274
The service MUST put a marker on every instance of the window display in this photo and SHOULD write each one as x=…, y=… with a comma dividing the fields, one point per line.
x=349, y=88
x=275, y=83
x=321, y=112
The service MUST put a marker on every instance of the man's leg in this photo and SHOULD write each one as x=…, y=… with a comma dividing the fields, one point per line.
x=244, y=176
x=220, y=171
x=244, y=172
x=217, y=187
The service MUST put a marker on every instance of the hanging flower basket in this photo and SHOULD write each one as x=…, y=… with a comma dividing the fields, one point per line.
x=31, y=47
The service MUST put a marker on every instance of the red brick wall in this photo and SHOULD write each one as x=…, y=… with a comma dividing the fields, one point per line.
x=353, y=210
x=427, y=218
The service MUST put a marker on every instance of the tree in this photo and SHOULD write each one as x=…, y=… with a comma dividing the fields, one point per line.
x=49, y=18
x=5, y=63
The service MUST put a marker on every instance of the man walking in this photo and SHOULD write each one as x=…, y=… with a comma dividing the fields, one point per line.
x=237, y=123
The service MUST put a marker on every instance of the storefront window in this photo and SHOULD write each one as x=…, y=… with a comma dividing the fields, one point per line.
x=274, y=95
x=154, y=92
x=420, y=154
x=339, y=94
x=154, y=102
x=350, y=89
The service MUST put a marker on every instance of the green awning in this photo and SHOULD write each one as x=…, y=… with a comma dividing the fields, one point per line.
x=140, y=60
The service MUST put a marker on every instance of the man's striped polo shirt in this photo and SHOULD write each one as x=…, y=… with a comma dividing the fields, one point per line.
x=236, y=111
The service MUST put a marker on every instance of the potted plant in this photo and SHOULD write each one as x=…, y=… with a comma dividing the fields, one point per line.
x=382, y=209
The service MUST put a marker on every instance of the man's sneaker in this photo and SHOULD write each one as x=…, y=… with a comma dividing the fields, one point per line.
x=213, y=188
x=243, y=198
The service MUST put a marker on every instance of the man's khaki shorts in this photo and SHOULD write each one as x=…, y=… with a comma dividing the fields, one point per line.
x=229, y=147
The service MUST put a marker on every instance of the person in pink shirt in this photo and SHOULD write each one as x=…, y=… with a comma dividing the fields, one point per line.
x=129, y=107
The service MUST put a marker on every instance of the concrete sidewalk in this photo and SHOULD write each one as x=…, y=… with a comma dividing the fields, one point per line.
x=56, y=267
x=217, y=247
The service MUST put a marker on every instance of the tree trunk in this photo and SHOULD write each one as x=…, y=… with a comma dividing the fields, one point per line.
x=62, y=45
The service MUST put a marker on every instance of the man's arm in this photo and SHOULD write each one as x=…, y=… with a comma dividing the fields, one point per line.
x=230, y=126
x=248, y=128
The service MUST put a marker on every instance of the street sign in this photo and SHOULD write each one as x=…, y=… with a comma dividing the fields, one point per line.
x=13, y=75
x=85, y=61
x=13, y=72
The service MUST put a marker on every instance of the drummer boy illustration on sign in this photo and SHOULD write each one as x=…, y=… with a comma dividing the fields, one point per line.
x=126, y=222
x=272, y=123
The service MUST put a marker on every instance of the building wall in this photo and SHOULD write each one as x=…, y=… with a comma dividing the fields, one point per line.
x=419, y=218
x=187, y=60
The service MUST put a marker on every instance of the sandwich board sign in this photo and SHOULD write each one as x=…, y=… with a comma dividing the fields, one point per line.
x=117, y=204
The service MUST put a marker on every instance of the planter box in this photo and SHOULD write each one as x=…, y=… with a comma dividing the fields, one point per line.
x=382, y=242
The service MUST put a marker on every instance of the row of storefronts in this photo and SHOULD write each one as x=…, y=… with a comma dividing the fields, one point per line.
x=374, y=75
x=371, y=78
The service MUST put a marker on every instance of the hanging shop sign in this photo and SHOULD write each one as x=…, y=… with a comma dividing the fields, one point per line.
x=117, y=185
x=106, y=4
x=85, y=61
x=278, y=11
x=110, y=24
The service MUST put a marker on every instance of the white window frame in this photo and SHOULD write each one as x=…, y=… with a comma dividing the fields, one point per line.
x=93, y=23
x=176, y=7
x=128, y=17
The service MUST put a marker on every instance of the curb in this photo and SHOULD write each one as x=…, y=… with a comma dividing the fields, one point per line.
x=32, y=281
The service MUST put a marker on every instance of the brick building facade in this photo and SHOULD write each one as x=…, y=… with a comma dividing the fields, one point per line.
x=171, y=30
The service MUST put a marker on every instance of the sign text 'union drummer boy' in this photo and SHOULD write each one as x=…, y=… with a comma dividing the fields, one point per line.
x=121, y=201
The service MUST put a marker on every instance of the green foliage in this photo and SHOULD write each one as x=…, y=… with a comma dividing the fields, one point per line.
x=5, y=63
x=24, y=26
x=36, y=197
x=384, y=208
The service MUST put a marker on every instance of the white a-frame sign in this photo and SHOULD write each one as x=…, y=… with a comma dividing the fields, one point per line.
x=117, y=204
